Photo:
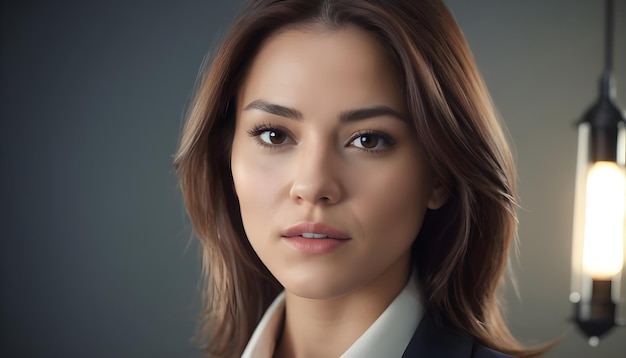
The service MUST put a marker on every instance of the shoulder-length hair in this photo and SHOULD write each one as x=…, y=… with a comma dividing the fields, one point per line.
x=461, y=252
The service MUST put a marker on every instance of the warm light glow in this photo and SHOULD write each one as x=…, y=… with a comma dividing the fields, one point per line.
x=603, y=250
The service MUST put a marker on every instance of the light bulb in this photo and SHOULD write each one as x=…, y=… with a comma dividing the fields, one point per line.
x=603, y=250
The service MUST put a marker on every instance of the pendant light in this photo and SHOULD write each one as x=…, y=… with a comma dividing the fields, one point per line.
x=598, y=248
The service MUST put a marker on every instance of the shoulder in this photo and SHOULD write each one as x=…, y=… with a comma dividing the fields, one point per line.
x=481, y=351
x=434, y=339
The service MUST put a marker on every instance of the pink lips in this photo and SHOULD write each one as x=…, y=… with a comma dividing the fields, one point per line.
x=335, y=238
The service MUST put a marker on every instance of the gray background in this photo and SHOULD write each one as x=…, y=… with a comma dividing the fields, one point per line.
x=96, y=258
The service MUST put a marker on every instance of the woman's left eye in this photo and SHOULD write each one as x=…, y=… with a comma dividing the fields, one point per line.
x=372, y=141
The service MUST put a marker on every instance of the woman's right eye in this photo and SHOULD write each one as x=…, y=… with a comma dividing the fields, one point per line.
x=268, y=136
x=273, y=137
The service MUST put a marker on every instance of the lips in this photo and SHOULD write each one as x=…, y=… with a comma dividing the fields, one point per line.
x=315, y=231
x=314, y=238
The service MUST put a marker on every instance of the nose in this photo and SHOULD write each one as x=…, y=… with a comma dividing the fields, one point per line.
x=316, y=178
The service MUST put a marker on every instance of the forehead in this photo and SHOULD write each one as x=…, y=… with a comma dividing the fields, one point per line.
x=315, y=66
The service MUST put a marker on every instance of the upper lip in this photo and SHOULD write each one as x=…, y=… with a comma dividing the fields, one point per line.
x=315, y=228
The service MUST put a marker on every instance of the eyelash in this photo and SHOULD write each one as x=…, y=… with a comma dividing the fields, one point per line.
x=259, y=129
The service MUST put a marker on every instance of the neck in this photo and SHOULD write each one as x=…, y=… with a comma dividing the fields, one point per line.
x=328, y=327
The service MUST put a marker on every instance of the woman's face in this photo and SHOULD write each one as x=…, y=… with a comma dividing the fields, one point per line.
x=331, y=180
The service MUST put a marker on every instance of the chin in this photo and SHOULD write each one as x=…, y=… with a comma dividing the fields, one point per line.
x=315, y=285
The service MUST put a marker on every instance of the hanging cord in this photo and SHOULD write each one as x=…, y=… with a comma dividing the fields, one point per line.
x=606, y=83
x=608, y=37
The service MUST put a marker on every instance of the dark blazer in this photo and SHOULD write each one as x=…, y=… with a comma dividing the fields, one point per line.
x=434, y=340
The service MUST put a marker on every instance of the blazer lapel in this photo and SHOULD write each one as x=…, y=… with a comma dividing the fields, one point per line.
x=435, y=340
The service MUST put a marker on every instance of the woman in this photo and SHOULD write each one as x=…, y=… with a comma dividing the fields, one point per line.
x=343, y=167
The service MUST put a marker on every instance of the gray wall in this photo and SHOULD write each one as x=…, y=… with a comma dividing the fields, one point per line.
x=96, y=258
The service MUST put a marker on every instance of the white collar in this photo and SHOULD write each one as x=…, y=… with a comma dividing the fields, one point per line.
x=388, y=336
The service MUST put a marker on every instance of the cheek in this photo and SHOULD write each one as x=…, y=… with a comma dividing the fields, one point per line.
x=395, y=212
x=259, y=186
x=254, y=185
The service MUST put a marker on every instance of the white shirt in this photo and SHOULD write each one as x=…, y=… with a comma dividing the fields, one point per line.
x=387, y=337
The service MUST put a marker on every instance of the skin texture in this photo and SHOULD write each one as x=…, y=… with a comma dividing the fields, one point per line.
x=316, y=168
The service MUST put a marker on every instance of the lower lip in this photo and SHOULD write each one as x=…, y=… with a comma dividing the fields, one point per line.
x=314, y=246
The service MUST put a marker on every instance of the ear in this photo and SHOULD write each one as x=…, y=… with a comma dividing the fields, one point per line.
x=438, y=196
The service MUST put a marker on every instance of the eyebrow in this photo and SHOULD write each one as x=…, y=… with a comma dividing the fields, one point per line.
x=345, y=116
x=273, y=108
x=364, y=113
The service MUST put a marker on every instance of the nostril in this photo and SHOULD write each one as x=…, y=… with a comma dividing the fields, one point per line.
x=327, y=192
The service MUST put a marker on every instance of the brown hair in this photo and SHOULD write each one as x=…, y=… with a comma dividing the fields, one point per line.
x=462, y=249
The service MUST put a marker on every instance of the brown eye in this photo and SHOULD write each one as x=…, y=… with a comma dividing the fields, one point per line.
x=372, y=141
x=367, y=141
x=274, y=137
